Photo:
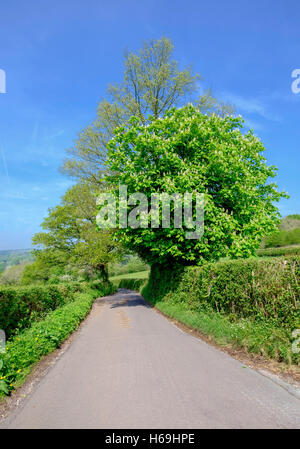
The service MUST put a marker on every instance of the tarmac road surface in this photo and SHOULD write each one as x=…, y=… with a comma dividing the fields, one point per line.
x=129, y=367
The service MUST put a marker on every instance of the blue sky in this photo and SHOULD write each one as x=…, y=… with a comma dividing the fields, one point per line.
x=59, y=57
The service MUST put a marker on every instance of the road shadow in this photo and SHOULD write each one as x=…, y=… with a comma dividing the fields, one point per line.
x=133, y=300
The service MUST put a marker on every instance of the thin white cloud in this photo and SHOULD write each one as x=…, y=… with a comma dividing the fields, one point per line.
x=250, y=105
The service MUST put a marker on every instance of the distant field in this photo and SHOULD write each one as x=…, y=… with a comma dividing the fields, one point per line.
x=9, y=258
x=280, y=251
x=138, y=275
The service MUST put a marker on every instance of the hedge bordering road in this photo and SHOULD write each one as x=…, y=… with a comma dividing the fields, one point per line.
x=29, y=346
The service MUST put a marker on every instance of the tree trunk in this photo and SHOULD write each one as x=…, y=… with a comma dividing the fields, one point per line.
x=103, y=269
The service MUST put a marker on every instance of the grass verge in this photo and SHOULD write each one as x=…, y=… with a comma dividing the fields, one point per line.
x=259, y=338
x=250, y=304
x=138, y=275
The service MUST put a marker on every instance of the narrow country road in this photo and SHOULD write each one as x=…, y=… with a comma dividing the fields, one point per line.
x=129, y=367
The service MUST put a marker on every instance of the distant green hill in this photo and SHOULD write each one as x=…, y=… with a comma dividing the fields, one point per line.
x=288, y=234
x=9, y=258
x=290, y=222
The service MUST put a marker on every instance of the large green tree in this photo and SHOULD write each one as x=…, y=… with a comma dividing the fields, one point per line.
x=189, y=151
x=152, y=84
x=70, y=236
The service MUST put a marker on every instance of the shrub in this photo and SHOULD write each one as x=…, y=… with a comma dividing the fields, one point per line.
x=44, y=336
x=260, y=289
x=252, y=304
x=102, y=288
x=132, y=284
x=133, y=264
x=258, y=337
x=20, y=306
x=12, y=275
x=283, y=238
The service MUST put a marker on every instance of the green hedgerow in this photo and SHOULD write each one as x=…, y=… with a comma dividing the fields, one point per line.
x=27, y=347
x=252, y=303
x=20, y=306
